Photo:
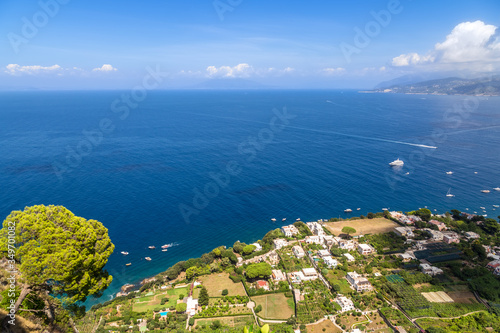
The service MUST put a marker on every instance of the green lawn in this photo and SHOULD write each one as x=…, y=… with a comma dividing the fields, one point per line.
x=274, y=306
x=216, y=283
x=237, y=321
x=145, y=303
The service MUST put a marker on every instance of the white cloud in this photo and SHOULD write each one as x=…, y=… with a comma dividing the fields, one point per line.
x=105, y=68
x=244, y=70
x=411, y=59
x=240, y=71
x=333, y=71
x=470, y=45
x=15, y=69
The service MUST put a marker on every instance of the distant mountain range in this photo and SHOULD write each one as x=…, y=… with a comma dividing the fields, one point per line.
x=448, y=86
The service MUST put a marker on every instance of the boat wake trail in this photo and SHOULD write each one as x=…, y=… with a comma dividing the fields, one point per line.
x=322, y=131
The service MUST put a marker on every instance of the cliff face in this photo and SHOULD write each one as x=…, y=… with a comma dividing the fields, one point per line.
x=450, y=86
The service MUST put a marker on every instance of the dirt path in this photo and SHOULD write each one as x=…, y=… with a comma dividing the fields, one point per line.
x=449, y=318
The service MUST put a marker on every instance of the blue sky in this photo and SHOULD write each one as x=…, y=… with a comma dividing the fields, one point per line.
x=290, y=44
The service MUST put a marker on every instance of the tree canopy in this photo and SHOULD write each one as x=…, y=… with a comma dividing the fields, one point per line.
x=203, y=298
x=260, y=270
x=348, y=230
x=57, y=252
x=248, y=249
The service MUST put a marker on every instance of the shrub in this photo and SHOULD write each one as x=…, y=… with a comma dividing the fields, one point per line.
x=225, y=292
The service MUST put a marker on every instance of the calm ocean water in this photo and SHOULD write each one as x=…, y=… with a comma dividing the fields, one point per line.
x=327, y=152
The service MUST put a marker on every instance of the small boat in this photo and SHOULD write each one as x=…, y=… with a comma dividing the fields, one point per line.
x=485, y=215
x=496, y=188
x=164, y=250
x=466, y=208
x=273, y=219
x=152, y=247
x=397, y=162
x=283, y=219
x=298, y=219
x=449, y=172
x=166, y=246
x=384, y=209
x=475, y=172
x=358, y=208
x=485, y=191
x=483, y=208
x=129, y=264
x=449, y=194
x=475, y=212
x=124, y=253
x=348, y=210
x=407, y=173
x=148, y=258
x=496, y=206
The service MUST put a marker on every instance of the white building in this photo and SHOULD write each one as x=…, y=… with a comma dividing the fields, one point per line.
x=192, y=306
x=450, y=237
x=313, y=239
x=278, y=275
x=306, y=274
x=258, y=247
x=430, y=270
x=316, y=228
x=324, y=253
x=435, y=235
x=404, y=231
x=290, y=230
x=298, y=251
x=471, y=235
x=346, y=244
x=309, y=273
x=345, y=303
x=328, y=240
x=365, y=249
x=349, y=257
x=358, y=282
x=279, y=243
x=405, y=256
x=330, y=262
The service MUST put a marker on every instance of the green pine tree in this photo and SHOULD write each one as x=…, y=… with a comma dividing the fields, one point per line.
x=56, y=253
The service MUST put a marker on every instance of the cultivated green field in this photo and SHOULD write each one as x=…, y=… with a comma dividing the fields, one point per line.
x=216, y=283
x=274, y=306
x=143, y=304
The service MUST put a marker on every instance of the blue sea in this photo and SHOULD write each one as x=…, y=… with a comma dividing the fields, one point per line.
x=207, y=168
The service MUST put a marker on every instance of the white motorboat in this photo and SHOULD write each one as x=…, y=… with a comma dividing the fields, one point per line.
x=449, y=172
x=348, y=210
x=124, y=253
x=397, y=162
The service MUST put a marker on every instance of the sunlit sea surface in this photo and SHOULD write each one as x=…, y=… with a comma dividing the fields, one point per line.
x=253, y=156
